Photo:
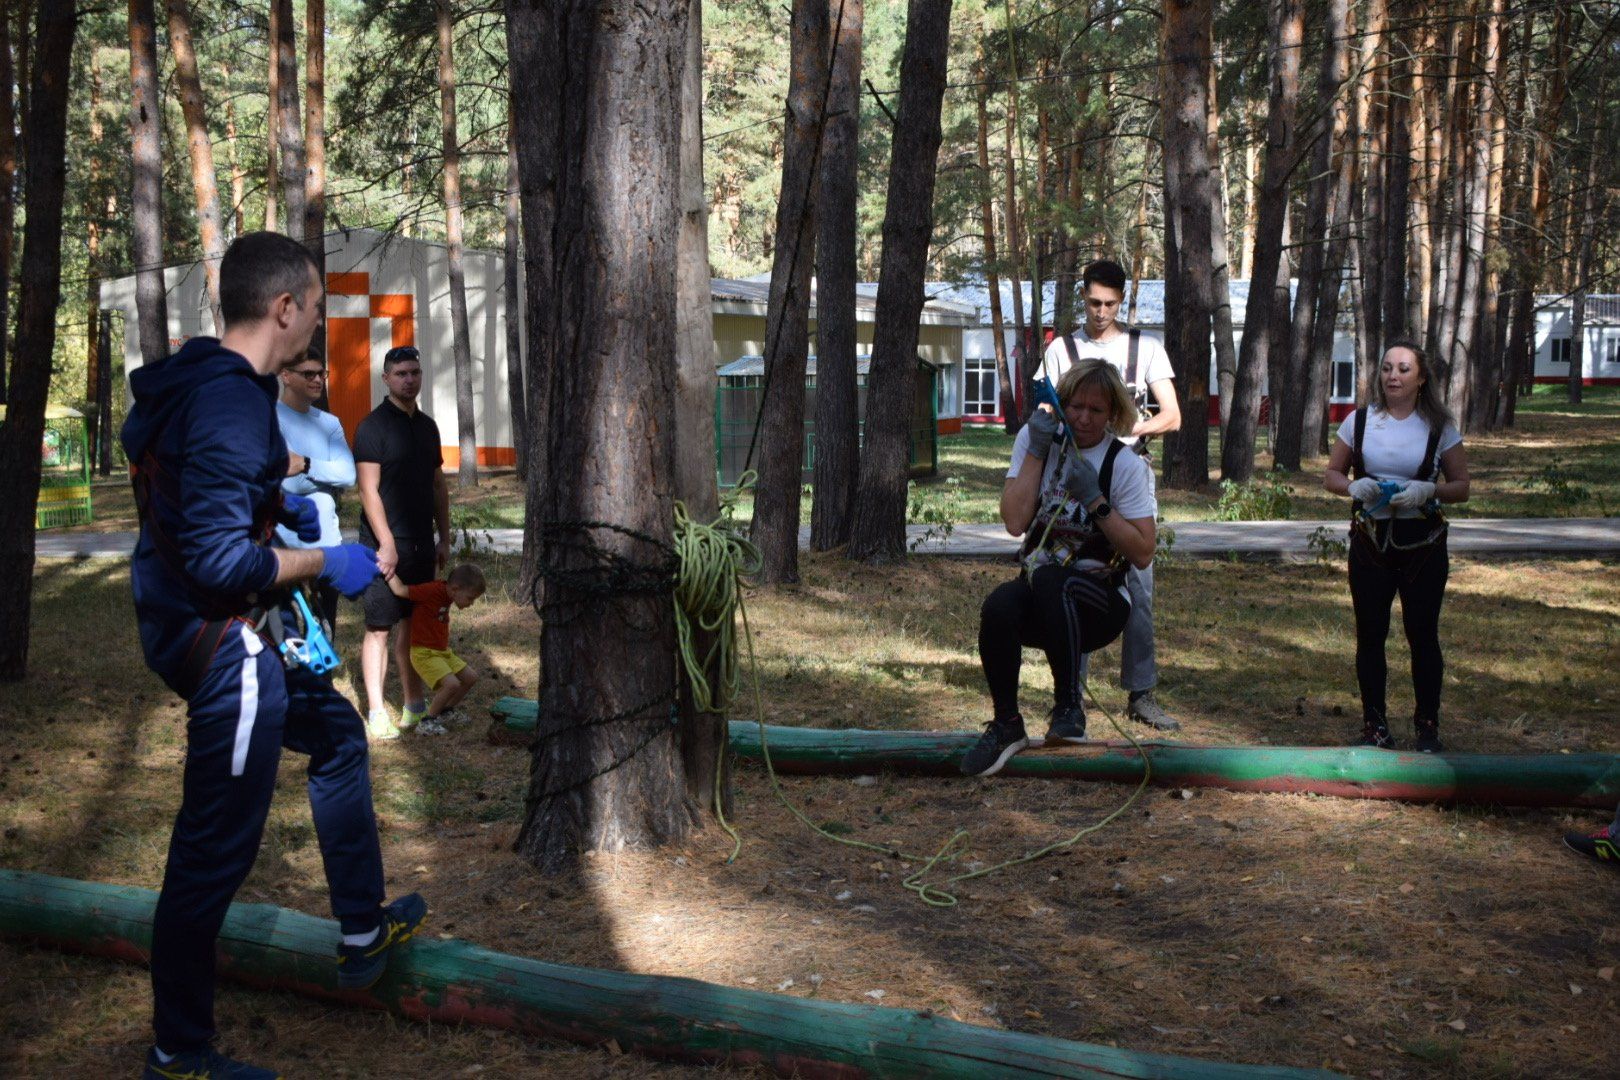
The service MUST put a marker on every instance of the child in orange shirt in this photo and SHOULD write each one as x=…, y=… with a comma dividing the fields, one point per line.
x=446, y=674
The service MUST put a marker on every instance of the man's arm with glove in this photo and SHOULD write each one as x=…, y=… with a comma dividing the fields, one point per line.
x=348, y=568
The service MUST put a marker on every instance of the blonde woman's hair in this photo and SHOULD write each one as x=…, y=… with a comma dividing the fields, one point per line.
x=1102, y=375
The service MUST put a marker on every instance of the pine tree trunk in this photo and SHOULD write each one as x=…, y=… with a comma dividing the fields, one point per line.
x=1004, y=390
x=104, y=394
x=837, y=418
x=1251, y=205
x=455, y=252
x=1225, y=344
x=1288, y=29
x=1583, y=269
x=146, y=203
x=878, y=533
x=599, y=152
x=779, y=436
x=272, y=179
x=8, y=181
x=1319, y=371
x=93, y=270
x=315, y=149
x=1291, y=382
x=289, y=137
x=204, y=184
x=512, y=296
x=704, y=747
x=1464, y=345
x=39, y=294
x=1187, y=45
x=1020, y=362
x=1373, y=202
x=1397, y=167
x=238, y=177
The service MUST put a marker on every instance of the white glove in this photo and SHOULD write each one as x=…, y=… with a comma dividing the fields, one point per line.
x=1365, y=490
x=1414, y=496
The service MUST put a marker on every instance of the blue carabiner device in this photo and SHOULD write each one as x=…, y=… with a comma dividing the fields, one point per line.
x=1388, y=489
x=316, y=653
x=1046, y=394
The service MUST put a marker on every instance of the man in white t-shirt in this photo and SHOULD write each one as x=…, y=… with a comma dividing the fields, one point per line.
x=1149, y=376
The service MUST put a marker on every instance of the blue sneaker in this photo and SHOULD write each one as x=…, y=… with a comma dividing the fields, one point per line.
x=360, y=966
x=202, y=1065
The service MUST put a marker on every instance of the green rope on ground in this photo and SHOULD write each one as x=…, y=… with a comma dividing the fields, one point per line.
x=715, y=563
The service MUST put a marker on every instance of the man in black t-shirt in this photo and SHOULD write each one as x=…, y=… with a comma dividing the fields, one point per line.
x=406, y=518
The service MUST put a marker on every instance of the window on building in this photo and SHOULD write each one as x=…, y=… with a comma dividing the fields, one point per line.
x=1560, y=350
x=1344, y=380
x=980, y=393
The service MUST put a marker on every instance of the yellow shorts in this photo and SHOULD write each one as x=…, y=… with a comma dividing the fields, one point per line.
x=434, y=664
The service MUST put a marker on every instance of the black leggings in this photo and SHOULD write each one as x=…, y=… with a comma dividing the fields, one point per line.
x=1418, y=576
x=1062, y=611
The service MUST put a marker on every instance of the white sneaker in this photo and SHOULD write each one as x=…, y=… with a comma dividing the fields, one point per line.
x=380, y=725
x=430, y=725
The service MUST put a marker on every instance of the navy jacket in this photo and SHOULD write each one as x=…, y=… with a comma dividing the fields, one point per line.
x=209, y=422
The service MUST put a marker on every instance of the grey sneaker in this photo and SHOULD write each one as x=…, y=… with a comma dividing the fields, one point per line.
x=1144, y=708
x=1068, y=725
x=430, y=725
x=995, y=747
x=454, y=718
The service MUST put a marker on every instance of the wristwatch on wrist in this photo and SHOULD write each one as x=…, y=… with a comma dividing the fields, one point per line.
x=1101, y=511
x=307, y=463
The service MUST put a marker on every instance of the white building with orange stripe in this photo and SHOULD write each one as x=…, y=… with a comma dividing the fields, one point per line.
x=381, y=290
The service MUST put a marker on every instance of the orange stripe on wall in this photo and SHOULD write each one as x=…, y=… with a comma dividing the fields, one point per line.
x=355, y=283
x=489, y=456
x=348, y=388
x=402, y=332
x=392, y=306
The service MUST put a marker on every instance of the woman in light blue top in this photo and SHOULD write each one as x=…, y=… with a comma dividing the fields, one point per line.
x=319, y=462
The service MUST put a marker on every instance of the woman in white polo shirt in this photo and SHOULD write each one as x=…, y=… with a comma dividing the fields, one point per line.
x=1086, y=512
x=1406, y=457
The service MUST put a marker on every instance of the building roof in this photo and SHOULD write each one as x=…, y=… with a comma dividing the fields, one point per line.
x=749, y=296
x=1149, y=300
x=745, y=366
x=1601, y=308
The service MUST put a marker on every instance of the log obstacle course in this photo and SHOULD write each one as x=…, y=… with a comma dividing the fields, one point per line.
x=448, y=981
x=1583, y=781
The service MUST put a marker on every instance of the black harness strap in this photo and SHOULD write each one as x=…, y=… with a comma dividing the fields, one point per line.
x=1428, y=470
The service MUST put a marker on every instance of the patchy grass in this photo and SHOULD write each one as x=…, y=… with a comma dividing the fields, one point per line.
x=1285, y=929
x=1559, y=461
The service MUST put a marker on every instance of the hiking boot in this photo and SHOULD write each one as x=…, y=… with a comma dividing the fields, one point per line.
x=1376, y=733
x=1068, y=725
x=206, y=1064
x=431, y=725
x=1000, y=741
x=1599, y=845
x=380, y=726
x=1145, y=708
x=360, y=966
x=1428, y=737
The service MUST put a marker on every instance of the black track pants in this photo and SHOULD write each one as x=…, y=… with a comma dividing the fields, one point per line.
x=1067, y=613
x=1418, y=577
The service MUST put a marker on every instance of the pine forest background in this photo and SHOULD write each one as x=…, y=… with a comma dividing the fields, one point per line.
x=1054, y=151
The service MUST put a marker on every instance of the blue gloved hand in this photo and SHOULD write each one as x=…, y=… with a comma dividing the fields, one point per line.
x=302, y=516
x=1043, y=427
x=1080, y=479
x=349, y=568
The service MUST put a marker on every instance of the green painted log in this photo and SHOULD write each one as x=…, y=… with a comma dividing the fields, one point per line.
x=1587, y=781
x=448, y=981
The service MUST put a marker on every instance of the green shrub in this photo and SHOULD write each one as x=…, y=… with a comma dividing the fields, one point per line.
x=1265, y=498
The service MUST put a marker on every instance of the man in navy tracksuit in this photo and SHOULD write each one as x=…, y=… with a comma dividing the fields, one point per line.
x=209, y=461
